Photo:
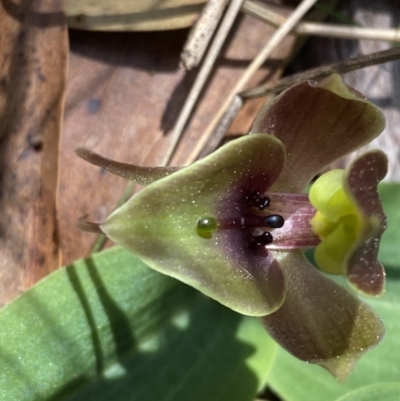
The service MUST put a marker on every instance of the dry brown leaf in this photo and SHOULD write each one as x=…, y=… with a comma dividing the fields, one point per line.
x=125, y=91
x=33, y=52
x=132, y=15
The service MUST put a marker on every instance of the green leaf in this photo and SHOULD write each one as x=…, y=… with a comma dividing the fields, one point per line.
x=108, y=327
x=295, y=381
x=374, y=392
x=389, y=253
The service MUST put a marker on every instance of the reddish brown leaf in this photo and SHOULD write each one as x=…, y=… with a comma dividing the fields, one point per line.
x=33, y=48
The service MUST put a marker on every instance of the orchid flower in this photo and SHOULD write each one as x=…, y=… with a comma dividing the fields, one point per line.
x=234, y=225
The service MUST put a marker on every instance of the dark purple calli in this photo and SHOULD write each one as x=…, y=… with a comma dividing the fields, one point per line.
x=234, y=224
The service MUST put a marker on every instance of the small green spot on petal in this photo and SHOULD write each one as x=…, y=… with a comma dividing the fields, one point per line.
x=205, y=226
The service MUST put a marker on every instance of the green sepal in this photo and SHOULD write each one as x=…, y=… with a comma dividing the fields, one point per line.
x=160, y=224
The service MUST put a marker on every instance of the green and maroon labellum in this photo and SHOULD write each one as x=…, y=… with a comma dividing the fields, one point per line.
x=212, y=225
x=203, y=221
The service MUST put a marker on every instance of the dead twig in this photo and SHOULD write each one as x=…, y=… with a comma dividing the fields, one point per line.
x=202, y=76
x=321, y=72
x=201, y=33
x=326, y=30
x=265, y=52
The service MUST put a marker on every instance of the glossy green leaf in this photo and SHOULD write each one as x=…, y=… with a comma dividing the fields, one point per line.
x=295, y=381
x=108, y=327
x=374, y=392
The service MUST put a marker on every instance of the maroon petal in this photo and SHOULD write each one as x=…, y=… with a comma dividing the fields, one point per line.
x=320, y=322
x=364, y=271
x=317, y=123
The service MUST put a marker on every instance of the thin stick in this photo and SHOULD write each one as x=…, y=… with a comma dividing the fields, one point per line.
x=223, y=126
x=202, y=76
x=263, y=13
x=201, y=33
x=351, y=32
x=326, y=30
x=317, y=73
x=280, y=33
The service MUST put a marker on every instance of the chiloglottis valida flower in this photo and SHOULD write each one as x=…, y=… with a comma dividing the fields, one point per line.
x=234, y=224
